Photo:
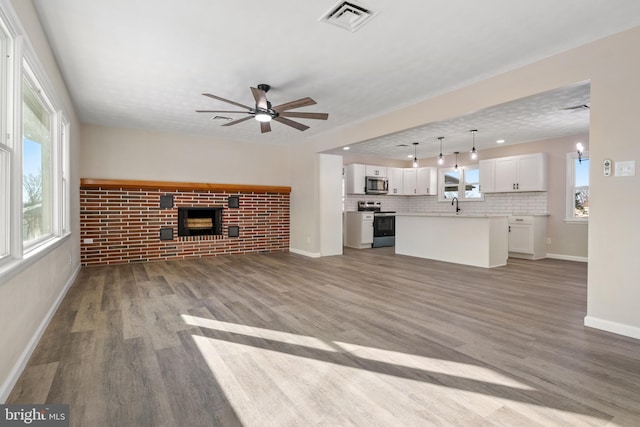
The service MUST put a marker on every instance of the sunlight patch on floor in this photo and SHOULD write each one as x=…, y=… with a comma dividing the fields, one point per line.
x=412, y=361
x=252, y=331
x=434, y=365
x=313, y=382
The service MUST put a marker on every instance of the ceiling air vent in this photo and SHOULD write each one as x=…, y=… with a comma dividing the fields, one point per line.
x=222, y=118
x=348, y=15
x=583, y=107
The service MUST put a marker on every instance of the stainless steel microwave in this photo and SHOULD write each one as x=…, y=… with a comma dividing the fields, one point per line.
x=376, y=185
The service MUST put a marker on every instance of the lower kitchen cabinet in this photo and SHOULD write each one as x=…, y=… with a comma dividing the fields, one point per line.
x=359, y=230
x=528, y=236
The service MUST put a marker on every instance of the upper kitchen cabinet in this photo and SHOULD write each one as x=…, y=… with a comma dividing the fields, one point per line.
x=487, y=170
x=375, y=171
x=355, y=178
x=395, y=176
x=420, y=181
x=512, y=174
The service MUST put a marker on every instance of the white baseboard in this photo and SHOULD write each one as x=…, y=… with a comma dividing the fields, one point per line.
x=305, y=253
x=568, y=257
x=615, y=327
x=11, y=381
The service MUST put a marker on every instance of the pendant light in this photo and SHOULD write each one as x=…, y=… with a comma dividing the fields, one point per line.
x=456, y=153
x=474, y=153
x=415, y=157
x=440, y=157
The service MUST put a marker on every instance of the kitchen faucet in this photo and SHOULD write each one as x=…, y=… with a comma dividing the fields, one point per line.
x=455, y=199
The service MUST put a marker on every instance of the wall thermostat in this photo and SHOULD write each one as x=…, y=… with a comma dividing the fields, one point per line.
x=606, y=167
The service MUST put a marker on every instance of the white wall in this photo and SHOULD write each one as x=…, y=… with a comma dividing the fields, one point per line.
x=305, y=217
x=112, y=153
x=612, y=66
x=28, y=298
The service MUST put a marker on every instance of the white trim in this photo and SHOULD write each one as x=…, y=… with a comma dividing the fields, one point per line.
x=584, y=221
x=305, y=253
x=13, y=377
x=568, y=257
x=614, y=327
x=461, y=183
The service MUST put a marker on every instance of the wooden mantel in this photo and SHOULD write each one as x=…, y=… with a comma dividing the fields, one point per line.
x=180, y=186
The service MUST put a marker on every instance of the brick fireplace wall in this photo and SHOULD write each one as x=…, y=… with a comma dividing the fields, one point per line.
x=122, y=224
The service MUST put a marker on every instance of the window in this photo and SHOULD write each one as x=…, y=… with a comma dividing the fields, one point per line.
x=37, y=162
x=577, y=187
x=463, y=183
x=34, y=164
x=6, y=43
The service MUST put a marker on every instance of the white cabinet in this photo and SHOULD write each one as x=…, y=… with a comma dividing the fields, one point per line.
x=487, y=175
x=516, y=173
x=532, y=172
x=409, y=179
x=402, y=181
x=355, y=179
x=527, y=236
x=375, y=171
x=359, y=230
x=419, y=181
x=505, y=174
x=395, y=176
x=427, y=181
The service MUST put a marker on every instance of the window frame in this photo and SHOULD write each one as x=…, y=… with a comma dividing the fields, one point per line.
x=54, y=157
x=570, y=186
x=461, y=184
x=17, y=56
x=9, y=47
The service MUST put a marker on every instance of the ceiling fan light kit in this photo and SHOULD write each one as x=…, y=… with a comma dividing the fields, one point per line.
x=265, y=113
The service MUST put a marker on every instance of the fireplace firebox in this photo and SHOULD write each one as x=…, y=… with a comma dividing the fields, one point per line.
x=199, y=221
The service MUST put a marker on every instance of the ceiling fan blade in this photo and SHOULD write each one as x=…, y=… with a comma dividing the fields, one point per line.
x=226, y=100
x=291, y=123
x=265, y=127
x=317, y=116
x=235, y=122
x=303, y=102
x=221, y=111
x=261, y=98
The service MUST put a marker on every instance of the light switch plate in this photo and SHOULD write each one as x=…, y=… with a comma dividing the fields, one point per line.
x=626, y=168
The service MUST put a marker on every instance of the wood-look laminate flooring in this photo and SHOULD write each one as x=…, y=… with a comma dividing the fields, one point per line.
x=369, y=338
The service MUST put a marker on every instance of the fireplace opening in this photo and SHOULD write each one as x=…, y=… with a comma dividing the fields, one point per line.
x=199, y=221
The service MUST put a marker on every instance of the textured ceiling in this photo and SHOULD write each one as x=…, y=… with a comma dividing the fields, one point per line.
x=534, y=118
x=144, y=64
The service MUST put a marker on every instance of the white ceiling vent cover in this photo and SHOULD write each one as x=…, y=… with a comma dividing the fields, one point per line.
x=348, y=15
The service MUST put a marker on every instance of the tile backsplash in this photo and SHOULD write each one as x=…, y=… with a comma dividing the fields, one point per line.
x=531, y=203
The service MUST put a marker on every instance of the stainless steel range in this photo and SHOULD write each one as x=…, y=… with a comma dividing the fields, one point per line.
x=384, y=223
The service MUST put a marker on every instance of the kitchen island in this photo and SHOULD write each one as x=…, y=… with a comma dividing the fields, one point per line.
x=477, y=240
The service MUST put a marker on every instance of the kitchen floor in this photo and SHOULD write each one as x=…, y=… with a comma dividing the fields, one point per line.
x=367, y=338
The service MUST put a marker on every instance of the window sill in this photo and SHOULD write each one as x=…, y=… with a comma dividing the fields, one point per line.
x=577, y=221
x=11, y=267
x=461, y=200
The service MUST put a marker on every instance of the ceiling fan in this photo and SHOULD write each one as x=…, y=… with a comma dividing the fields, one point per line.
x=264, y=112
